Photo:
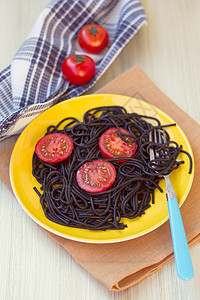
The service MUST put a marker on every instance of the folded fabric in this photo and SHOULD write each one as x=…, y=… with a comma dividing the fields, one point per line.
x=34, y=82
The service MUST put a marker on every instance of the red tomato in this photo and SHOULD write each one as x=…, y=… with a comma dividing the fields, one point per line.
x=54, y=147
x=112, y=146
x=78, y=69
x=96, y=176
x=93, y=38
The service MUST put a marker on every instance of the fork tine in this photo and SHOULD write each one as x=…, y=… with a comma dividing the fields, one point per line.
x=156, y=141
x=155, y=135
x=164, y=137
x=159, y=136
x=151, y=152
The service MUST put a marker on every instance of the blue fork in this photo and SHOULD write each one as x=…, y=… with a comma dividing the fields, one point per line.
x=182, y=256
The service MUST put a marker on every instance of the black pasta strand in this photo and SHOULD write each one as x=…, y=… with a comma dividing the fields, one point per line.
x=65, y=203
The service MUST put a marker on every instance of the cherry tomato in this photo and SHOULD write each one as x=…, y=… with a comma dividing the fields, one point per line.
x=93, y=38
x=78, y=69
x=112, y=146
x=96, y=176
x=54, y=147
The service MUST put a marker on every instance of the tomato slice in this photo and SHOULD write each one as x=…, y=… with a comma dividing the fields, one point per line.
x=96, y=176
x=112, y=146
x=54, y=147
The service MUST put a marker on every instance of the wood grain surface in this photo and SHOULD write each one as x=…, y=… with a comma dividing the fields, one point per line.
x=32, y=265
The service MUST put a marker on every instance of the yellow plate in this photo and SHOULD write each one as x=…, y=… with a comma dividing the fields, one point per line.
x=23, y=182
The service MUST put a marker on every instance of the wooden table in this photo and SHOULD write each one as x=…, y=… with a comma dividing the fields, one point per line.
x=33, y=266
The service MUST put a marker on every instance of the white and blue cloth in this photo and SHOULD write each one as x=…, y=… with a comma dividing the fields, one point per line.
x=34, y=81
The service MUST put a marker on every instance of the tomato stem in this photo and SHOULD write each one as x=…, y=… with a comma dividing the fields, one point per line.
x=79, y=58
x=93, y=30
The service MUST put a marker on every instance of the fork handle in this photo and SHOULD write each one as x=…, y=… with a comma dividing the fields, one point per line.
x=181, y=250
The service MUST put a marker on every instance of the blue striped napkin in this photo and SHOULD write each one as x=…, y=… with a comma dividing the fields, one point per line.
x=34, y=82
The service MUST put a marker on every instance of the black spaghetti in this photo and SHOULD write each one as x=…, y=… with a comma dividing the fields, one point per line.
x=65, y=203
